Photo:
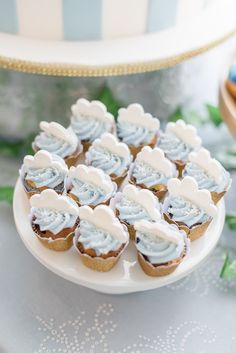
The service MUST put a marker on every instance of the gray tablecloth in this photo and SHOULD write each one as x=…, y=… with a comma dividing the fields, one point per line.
x=42, y=313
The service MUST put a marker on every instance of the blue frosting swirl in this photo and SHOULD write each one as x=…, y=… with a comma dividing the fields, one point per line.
x=130, y=211
x=173, y=147
x=101, y=241
x=133, y=134
x=185, y=211
x=145, y=174
x=53, y=220
x=157, y=250
x=204, y=180
x=110, y=163
x=52, y=144
x=87, y=193
x=49, y=177
x=88, y=128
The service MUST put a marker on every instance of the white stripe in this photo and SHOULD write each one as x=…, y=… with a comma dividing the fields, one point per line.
x=40, y=18
x=123, y=18
x=188, y=9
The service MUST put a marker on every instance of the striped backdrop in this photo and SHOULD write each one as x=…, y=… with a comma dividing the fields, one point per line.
x=93, y=19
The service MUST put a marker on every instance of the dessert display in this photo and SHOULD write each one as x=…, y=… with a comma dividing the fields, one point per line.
x=137, y=128
x=43, y=171
x=190, y=208
x=208, y=173
x=100, y=238
x=161, y=247
x=57, y=140
x=90, y=120
x=54, y=219
x=178, y=140
x=90, y=186
x=110, y=155
x=152, y=170
x=133, y=204
x=156, y=201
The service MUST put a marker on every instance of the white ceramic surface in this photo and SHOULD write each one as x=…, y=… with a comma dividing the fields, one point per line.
x=126, y=276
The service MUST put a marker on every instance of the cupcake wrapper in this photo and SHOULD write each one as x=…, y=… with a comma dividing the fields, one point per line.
x=180, y=165
x=231, y=88
x=135, y=150
x=97, y=263
x=160, y=270
x=119, y=179
x=216, y=196
x=158, y=190
x=106, y=203
x=193, y=233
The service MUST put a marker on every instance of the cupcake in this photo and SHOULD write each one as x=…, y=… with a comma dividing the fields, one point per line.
x=208, y=173
x=133, y=204
x=43, y=171
x=100, y=238
x=161, y=247
x=188, y=207
x=152, y=170
x=60, y=141
x=110, y=155
x=90, y=186
x=231, y=81
x=90, y=120
x=178, y=141
x=54, y=219
x=137, y=128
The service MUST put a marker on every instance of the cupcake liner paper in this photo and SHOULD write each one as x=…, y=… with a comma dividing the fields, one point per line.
x=135, y=150
x=180, y=165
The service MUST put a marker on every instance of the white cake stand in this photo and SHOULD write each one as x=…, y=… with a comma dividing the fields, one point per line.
x=126, y=276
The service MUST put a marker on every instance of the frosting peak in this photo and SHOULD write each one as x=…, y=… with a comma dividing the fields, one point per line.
x=93, y=109
x=134, y=114
x=59, y=131
x=185, y=132
x=44, y=159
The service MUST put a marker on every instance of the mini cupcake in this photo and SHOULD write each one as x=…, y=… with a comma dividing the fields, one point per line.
x=60, y=141
x=188, y=207
x=231, y=81
x=208, y=173
x=137, y=128
x=110, y=155
x=43, y=171
x=133, y=204
x=90, y=120
x=152, y=170
x=90, y=186
x=178, y=141
x=100, y=238
x=161, y=247
x=54, y=219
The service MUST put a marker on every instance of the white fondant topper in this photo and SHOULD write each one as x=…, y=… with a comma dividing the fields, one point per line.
x=156, y=159
x=51, y=200
x=188, y=189
x=134, y=114
x=185, y=132
x=59, y=131
x=44, y=159
x=145, y=198
x=92, y=176
x=103, y=217
x=93, y=109
x=159, y=229
x=110, y=142
x=210, y=165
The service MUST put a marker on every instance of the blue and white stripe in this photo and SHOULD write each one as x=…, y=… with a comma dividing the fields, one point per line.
x=93, y=19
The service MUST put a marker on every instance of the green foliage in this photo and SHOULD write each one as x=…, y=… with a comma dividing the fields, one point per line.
x=230, y=220
x=214, y=114
x=106, y=96
x=6, y=194
x=228, y=270
x=16, y=148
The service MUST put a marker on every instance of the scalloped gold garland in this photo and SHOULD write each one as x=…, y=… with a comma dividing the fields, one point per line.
x=74, y=70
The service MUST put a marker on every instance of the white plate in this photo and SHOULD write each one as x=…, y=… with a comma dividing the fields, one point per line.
x=126, y=276
x=149, y=52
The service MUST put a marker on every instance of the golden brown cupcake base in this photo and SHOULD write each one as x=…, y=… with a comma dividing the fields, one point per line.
x=159, y=270
x=59, y=242
x=31, y=189
x=194, y=232
x=135, y=150
x=119, y=179
x=180, y=165
x=101, y=263
x=130, y=227
x=158, y=190
x=216, y=196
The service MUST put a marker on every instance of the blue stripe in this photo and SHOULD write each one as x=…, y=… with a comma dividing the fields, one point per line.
x=8, y=16
x=82, y=19
x=161, y=14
